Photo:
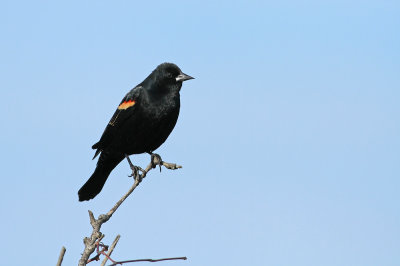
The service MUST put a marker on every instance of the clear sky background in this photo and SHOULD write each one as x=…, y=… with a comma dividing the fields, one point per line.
x=289, y=136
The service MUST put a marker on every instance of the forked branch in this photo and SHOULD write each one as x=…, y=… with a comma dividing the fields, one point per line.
x=93, y=241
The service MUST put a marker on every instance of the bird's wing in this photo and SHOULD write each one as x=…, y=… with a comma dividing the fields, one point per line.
x=126, y=107
x=124, y=110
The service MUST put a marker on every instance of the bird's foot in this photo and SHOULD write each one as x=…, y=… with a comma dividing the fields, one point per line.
x=135, y=173
x=156, y=160
x=135, y=170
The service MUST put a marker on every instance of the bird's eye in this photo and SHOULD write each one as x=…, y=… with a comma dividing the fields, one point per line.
x=169, y=75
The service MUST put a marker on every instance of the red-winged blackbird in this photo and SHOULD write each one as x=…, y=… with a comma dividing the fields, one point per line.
x=142, y=122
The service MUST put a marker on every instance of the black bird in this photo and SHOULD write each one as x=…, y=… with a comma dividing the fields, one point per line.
x=142, y=122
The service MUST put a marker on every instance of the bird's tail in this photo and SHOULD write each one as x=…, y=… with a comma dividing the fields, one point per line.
x=107, y=162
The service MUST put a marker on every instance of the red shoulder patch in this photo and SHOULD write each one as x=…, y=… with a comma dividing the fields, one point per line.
x=126, y=104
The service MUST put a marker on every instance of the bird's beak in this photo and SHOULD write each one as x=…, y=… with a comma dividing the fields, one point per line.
x=183, y=77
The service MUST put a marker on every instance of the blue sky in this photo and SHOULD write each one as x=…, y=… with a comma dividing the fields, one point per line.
x=288, y=136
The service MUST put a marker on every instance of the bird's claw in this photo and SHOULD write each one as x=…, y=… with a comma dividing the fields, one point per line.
x=135, y=172
x=135, y=169
x=156, y=160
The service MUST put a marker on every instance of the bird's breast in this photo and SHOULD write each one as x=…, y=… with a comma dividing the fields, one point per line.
x=152, y=126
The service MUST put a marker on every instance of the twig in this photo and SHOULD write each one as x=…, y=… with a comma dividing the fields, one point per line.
x=111, y=250
x=90, y=242
x=149, y=260
x=61, y=257
x=97, y=257
x=171, y=166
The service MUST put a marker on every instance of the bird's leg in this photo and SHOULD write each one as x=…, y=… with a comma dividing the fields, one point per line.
x=135, y=169
x=155, y=160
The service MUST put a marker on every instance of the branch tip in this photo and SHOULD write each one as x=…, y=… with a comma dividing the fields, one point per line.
x=61, y=256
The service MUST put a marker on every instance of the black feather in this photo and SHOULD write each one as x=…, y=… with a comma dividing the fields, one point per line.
x=145, y=118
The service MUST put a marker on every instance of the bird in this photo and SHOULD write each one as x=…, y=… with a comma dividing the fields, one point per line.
x=141, y=123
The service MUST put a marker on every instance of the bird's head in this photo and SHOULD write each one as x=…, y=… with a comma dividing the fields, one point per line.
x=167, y=77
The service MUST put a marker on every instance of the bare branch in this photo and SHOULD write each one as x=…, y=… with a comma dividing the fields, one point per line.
x=149, y=260
x=171, y=166
x=116, y=206
x=93, y=241
x=111, y=250
x=61, y=257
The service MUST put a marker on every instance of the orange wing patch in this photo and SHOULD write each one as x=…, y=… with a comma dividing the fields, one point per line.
x=126, y=104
